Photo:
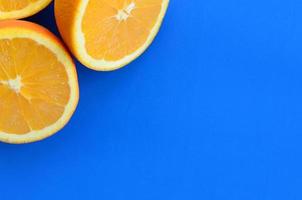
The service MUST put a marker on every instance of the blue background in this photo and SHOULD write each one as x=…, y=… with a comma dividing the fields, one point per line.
x=211, y=111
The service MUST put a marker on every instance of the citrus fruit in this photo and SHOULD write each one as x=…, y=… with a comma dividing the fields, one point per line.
x=38, y=83
x=108, y=34
x=17, y=9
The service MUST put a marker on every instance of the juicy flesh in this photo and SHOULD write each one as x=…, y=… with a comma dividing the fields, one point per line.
x=34, y=86
x=114, y=29
x=11, y=5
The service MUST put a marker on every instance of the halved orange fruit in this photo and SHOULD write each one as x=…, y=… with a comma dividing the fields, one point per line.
x=108, y=34
x=38, y=83
x=17, y=9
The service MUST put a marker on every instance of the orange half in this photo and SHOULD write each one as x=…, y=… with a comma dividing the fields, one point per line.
x=38, y=83
x=17, y=9
x=108, y=34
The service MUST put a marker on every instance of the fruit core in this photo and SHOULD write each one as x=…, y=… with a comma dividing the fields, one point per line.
x=124, y=13
x=13, y=84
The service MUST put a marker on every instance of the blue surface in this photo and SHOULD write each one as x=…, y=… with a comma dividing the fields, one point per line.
x=211, y=111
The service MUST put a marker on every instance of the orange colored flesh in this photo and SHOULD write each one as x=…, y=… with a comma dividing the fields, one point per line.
x=110, y=38
x=44, y=92
x=11, y=5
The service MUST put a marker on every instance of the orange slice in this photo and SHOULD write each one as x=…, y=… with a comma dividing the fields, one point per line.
x=17, y=9
x=108, y=34
x=38, y=83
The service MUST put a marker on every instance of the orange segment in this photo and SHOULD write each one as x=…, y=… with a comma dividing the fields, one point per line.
x=38, y=83
x=108, y=34
x=11, y=118
x=16, y=9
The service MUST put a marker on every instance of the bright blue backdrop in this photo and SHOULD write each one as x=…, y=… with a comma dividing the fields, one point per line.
x=212, y=111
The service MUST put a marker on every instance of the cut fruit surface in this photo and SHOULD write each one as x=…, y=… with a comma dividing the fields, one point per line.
x=108, y=34
x=17, y=9
x=38, y=83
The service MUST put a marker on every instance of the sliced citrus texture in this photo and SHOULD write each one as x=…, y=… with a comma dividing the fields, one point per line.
x=17, y=9
x=38, y=83
x=108, y=34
